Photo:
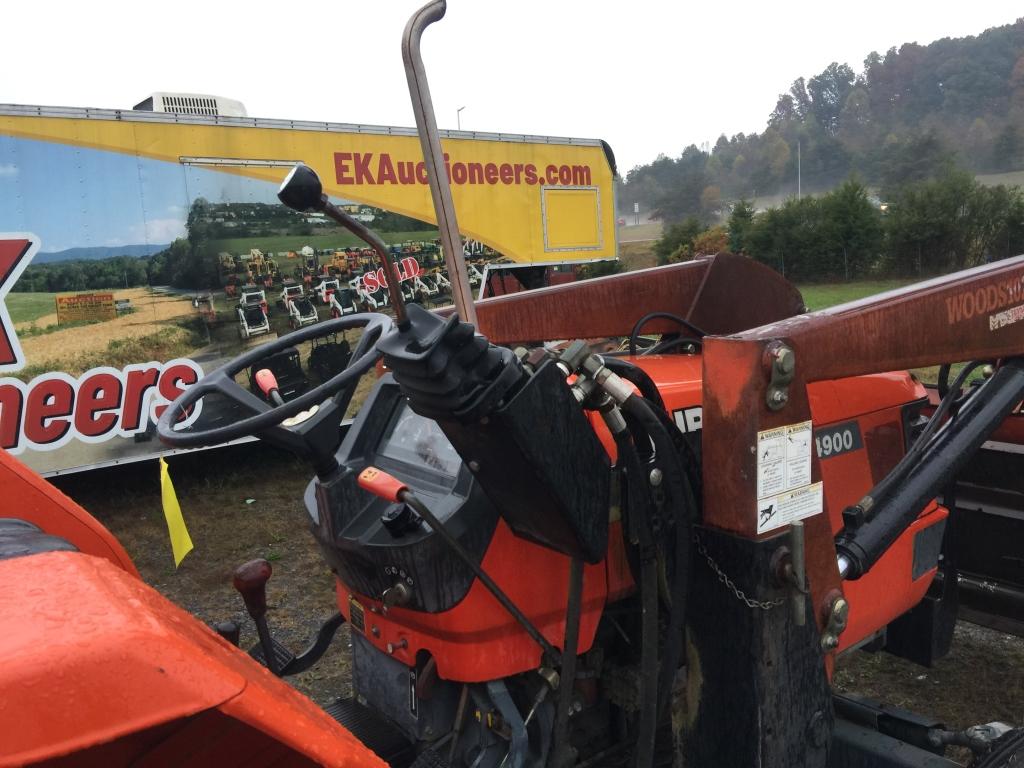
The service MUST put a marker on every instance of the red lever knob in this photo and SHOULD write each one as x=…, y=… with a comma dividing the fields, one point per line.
x=266, y=381
x=381, y=484
x=251, y=582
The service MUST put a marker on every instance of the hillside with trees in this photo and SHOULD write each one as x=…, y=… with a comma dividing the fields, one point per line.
x=930, y=227
x=907, y=116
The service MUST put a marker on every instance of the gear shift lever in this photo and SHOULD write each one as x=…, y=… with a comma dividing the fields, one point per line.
x=251, y=582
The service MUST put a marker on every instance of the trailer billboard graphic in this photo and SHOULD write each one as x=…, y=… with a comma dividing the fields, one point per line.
x=85, y=308
x=16, y=251
x=160, y=251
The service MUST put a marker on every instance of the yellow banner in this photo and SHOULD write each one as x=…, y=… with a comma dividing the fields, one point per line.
x=531, y=201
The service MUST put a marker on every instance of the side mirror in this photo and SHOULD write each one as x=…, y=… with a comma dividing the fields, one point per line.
x=301, y=190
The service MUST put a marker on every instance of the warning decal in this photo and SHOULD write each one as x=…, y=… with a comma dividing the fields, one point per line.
x=777, y=511
x=784, y=489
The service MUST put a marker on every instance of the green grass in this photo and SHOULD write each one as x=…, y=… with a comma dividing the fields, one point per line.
x=649, y=230
x=279, y=243
x=822, y=295
x=30, y=306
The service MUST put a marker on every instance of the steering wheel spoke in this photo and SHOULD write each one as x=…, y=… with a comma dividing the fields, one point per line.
x=231, y=389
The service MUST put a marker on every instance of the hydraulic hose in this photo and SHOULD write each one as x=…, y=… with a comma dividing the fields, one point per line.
x=648, y=663
x=635, y=375
x=940, y=458
x=640, y=523
x=653, y=315
x=683, y=502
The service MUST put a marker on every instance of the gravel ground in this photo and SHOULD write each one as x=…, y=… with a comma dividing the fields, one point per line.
x=245, y=502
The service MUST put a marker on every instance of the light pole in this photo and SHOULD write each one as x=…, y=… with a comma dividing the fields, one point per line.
x=458, y=117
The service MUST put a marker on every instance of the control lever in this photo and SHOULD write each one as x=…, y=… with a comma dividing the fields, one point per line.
x=267, y=382
x=251, y=582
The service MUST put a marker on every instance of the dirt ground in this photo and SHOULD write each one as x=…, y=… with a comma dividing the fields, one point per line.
x=152, y=313
x=245, y=502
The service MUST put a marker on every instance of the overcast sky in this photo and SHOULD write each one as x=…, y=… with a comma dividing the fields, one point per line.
x=648, y=77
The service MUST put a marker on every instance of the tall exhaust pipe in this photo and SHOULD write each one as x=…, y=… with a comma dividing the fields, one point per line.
x=430, y=141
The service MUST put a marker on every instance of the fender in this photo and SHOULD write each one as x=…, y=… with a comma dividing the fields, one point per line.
x=139, y=678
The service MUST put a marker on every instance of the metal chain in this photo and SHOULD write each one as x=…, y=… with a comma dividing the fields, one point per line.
x=764, y=605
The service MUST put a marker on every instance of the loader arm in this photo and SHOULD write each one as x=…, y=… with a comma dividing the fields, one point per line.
x=970, y=315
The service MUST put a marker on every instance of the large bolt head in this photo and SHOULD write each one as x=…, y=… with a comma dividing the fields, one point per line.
x=840, y=612
x=785, y=360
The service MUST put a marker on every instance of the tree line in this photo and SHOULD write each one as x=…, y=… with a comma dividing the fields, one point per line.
x=906, y=113
x=84, y=275
x=190, y=261
x=933, y=226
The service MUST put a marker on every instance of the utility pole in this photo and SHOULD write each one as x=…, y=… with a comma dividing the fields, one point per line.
x=799, y=179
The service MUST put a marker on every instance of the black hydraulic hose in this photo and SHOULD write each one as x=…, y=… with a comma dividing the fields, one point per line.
x=940, y=459
x=635, y=375
x=638, y=376
x=650, y=393
x=683, y=503
x=648, y=726
x=943, y=380
x=567, y=674
x=423, y=511
x=654, y=315
x=640, y=533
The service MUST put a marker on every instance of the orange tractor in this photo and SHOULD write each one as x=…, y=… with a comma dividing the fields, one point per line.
x=554, y=556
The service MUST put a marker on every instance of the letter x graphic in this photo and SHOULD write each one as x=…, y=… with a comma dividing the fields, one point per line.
x=16, y=251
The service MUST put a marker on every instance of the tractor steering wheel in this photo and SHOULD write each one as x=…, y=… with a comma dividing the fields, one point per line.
x=267, y=418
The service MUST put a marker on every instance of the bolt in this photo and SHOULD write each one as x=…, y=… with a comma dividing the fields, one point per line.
x=474, y=466
x=392, y=647
x=655, y=477
x=779, y=397
x=784, y=360
x=840, y=612
x=375, y=631
x=829, y=642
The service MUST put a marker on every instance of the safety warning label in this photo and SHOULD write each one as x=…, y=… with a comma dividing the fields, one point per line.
x=784, y=490
x=777, y=511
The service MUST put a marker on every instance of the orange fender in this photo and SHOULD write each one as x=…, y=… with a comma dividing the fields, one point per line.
x=99, y=665
x=29, y=497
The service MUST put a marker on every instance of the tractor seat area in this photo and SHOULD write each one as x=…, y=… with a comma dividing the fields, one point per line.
x=19, y=538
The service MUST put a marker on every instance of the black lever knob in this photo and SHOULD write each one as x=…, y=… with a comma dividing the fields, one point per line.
x=251, y=582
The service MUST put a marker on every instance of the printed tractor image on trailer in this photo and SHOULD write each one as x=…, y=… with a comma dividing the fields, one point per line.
x=253, y=313
x=300, y=309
